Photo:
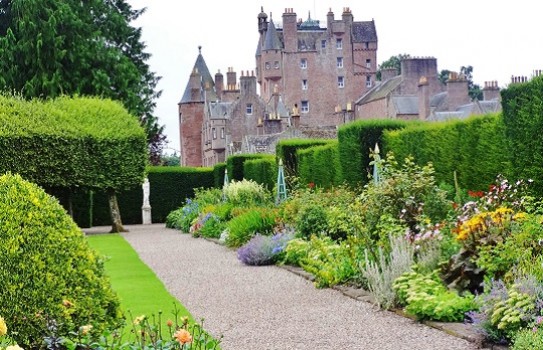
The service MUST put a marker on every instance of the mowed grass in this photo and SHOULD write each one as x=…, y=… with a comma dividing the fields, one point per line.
x=139, y=289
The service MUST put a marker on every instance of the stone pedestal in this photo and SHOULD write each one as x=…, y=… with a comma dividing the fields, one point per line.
x=146, y=207
x=146, y=214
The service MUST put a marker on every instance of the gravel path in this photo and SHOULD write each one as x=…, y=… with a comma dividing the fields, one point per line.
x=264, y=308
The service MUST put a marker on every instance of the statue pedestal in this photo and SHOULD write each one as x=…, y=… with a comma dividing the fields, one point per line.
x=146, y=215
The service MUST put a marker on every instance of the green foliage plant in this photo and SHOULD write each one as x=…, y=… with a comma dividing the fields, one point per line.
x=49, y=274
x=287, y=150
x=262, y=171
x=356, y=140
x=235, y=164
x=380, y=274
x=528, y=339
x=427, y=298
x=246, y=193
x=320, y=165
x=243, y=227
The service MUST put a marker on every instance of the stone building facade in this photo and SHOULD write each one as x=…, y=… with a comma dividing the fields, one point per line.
x=316, y=68
x=309, y=77
x=417, y=93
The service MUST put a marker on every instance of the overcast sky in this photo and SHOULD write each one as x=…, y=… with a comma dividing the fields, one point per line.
x=497, y=38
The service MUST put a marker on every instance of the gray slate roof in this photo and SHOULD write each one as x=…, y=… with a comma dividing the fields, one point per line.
x=201, y=67
x=364, y=32
x=406, y=104
x=271, y=41
x=381, y=90
x=219, y=110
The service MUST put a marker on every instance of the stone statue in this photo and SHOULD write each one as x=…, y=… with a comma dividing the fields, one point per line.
x=146, y=207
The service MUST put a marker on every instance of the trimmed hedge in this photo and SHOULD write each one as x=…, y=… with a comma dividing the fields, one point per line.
x=523, y=117
x=48, y=272
x=262, y=171
x=320, y=165
x=72, y=142
x=286, y=150
x=355, y=142
x=218, y=174
x=169, y=188
x=475, y=148
x=234, y=164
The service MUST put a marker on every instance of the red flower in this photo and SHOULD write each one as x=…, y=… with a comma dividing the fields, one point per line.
x=311, y=185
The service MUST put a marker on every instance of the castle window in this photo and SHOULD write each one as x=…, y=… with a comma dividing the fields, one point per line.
x=366, y=45
x=214, y=134
x=249, y=109
x=340, y=62
x=222, y=133
x=368, y=63
x=303, y=63
x=340, y=82
x=276, y=65
x=339, y=43
x=304, y=84
x=267, y=65
x=305, y=107
x=323, y=44
x=368, y=81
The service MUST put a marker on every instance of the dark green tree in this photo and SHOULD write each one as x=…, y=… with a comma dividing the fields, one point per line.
x=53, y=47
x=393, y=62
x=474, y=90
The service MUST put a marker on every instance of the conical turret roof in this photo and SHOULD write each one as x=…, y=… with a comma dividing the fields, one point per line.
x=200, y=67
x=272, y=42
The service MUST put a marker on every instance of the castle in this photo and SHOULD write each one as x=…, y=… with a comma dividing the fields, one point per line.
x=311, y=78
x=307, y=76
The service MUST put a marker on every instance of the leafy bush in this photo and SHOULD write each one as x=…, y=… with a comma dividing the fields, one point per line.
x=244, y=226
x=264, y=250
x=311, y=221
x=427, y=298
x=380, y=274
x=528, y=339
x=262, y=171
x=506, y=310
x=331, y=263
x=287, y=150
x=182, y=218
x=211, y=226
x=49, y=272
x=245, y=193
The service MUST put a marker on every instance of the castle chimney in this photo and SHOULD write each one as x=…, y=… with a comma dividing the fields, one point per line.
x=247, y=84
x=424, y=98
x=290, y=28
x=329, y=21
x=219, y=84
x=195, y=85
x=347, y=17
x=491, y=91
x=457, y=91
x=387, y=73
x=231, y=79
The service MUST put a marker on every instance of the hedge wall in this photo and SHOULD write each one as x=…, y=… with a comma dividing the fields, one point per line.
x=355, y=141
x=523, y=117
x=218, y=174
x=234, y=164
x=169, y=187
x=72, y=142
x=262, y=171
x=286, y=150
x=474, y=148
x=320, y=165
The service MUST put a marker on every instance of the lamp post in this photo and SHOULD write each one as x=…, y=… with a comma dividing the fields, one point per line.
x=346, y=112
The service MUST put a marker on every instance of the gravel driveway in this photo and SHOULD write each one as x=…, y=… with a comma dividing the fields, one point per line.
x=261, y=308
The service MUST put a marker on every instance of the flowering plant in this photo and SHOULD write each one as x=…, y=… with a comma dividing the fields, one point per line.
x=264, y=250
x=5, y=341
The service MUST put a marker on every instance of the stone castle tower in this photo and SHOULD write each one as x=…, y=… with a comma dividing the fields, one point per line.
x=319, y=70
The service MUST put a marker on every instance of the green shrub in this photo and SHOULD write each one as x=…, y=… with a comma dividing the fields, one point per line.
x=244, y=226
x=355, y=142
x=49, y=273
x=528, y=339
x=287, y=151
x=296, y=250
x=211, y=226
x=427, y=298
x=475, y=149
x=320, y=165
x=311, y=221
x=262, y=171
x=235, y=164
x=218, y=174
x=523, y=119
x=245, y=193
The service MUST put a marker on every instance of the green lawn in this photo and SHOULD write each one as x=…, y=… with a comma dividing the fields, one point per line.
x=139, y=289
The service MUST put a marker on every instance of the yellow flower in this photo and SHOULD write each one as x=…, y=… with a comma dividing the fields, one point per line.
x=138, y=320
x=85, y=329
x=519, y=216
x=67, y=304
x=14, y=347
x=3, y=327
x=182, y=336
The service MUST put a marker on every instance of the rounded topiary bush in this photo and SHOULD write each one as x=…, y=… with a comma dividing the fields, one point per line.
x=49, y=273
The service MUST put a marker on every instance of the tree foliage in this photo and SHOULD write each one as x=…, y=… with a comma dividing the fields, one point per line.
x=393, y=62
x=51, y=47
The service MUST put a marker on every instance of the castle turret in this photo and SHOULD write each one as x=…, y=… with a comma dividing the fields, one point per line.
x=262, y=21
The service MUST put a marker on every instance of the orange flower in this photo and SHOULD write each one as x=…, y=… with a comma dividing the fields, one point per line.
x=183, y=336
x=169, y=323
